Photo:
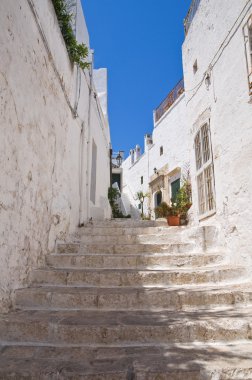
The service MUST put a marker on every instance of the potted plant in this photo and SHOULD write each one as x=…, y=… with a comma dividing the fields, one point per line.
x=173, y=215
x=161, y=211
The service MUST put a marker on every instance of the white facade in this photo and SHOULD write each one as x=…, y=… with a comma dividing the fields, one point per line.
x=221, y=99
x=217, y=63
x=171, y=135
x=55, y=140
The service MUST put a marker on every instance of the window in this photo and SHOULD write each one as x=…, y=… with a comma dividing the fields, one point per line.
x=204, y=171
x=161, y=151
x=175, y=186
x=248, y=44
x=93, y=172
x=141, y=180
x=195, y=67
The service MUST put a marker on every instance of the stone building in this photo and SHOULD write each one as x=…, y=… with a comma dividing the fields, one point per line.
x=209, y=126
x=217, y=63
x=157, y=172
x=55, y=138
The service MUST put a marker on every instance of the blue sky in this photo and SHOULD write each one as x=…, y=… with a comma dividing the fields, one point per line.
x=139, y=41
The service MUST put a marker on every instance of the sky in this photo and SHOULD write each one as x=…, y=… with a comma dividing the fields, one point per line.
x=139, y=41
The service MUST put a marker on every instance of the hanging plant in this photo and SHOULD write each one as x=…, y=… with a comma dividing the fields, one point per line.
x=78, y=53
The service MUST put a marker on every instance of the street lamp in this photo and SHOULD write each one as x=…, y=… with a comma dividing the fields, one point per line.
x=119, y=159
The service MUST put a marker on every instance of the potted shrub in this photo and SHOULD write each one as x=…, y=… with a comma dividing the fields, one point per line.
x=173, y=215
x=183, y=200
x=161, y=211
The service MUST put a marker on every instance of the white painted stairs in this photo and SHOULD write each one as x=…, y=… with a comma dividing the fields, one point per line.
x=132, y=300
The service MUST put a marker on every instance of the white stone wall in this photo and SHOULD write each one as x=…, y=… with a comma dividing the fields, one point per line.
x=215, y=40
x=171, y=132
x=48, y=123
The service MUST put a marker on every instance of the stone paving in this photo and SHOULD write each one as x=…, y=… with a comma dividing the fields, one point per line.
x=131, y=300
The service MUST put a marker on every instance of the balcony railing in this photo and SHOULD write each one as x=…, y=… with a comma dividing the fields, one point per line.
x=190, y=15
x=169, y=100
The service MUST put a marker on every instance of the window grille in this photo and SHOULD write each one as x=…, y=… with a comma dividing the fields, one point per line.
x=204, y=171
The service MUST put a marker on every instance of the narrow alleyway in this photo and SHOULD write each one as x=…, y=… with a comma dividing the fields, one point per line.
x=131, y=300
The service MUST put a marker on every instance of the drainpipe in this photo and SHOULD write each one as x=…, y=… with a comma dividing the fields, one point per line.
x=82, y=146
x=88, y=174
x=110, y=163
x=84, y=213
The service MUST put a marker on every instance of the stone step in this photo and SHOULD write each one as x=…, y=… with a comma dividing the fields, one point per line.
x=128, y=249
x=166, y=298
x=163, y=238
x=142, y=261
x=126, y=327
x=122, y=277
x=121, y=231
x=127, y=223
x=160, y=362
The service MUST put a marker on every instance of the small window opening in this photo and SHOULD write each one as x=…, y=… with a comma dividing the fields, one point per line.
x=161, y=151
x=195, y=67
x=141, y=180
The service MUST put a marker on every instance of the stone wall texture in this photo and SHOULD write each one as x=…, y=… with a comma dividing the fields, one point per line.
x=48, y=123
x=216, y=41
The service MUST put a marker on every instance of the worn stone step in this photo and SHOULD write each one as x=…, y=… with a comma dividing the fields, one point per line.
x=129, y=277
x=163, y=238
x=140, y=261
x=122, y=327
x=127, y=223
x=128, y=249
x=121, y=231
x=186, y=362
x=168, y=298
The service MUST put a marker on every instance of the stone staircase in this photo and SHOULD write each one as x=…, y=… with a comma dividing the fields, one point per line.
x=132, y=300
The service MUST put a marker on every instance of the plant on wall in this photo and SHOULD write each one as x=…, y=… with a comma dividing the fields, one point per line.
x=113, y=195
x=78, y=53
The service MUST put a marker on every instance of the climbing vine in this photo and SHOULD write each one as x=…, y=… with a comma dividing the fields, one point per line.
x=77, y=52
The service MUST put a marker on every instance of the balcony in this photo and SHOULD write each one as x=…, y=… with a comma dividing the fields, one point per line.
x=169, y=100
x=190, y=15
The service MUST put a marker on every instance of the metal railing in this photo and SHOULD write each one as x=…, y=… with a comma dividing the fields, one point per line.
x=169, y=100
x=190, y=15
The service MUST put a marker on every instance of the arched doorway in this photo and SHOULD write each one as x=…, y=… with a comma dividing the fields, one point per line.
x=158, y=198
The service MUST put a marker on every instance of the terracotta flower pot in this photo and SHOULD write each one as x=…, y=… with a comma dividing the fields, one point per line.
x=173, y=220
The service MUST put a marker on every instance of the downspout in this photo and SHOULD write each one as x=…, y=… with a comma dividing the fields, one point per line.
x=110, y=163
x=84, y=212
x=82, y=145
x=88, y=174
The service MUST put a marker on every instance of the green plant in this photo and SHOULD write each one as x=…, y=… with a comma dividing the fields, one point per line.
x=161, y=211
x=77, y=52
x=112, y=197
x=183, y=198
x=173, y=210
x=140, y=196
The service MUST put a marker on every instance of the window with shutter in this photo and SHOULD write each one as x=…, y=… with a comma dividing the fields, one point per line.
x=204, y=172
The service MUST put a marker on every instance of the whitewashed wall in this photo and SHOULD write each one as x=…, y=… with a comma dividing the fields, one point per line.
x=215, y=39
x=46, y=141
x=171, y=132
